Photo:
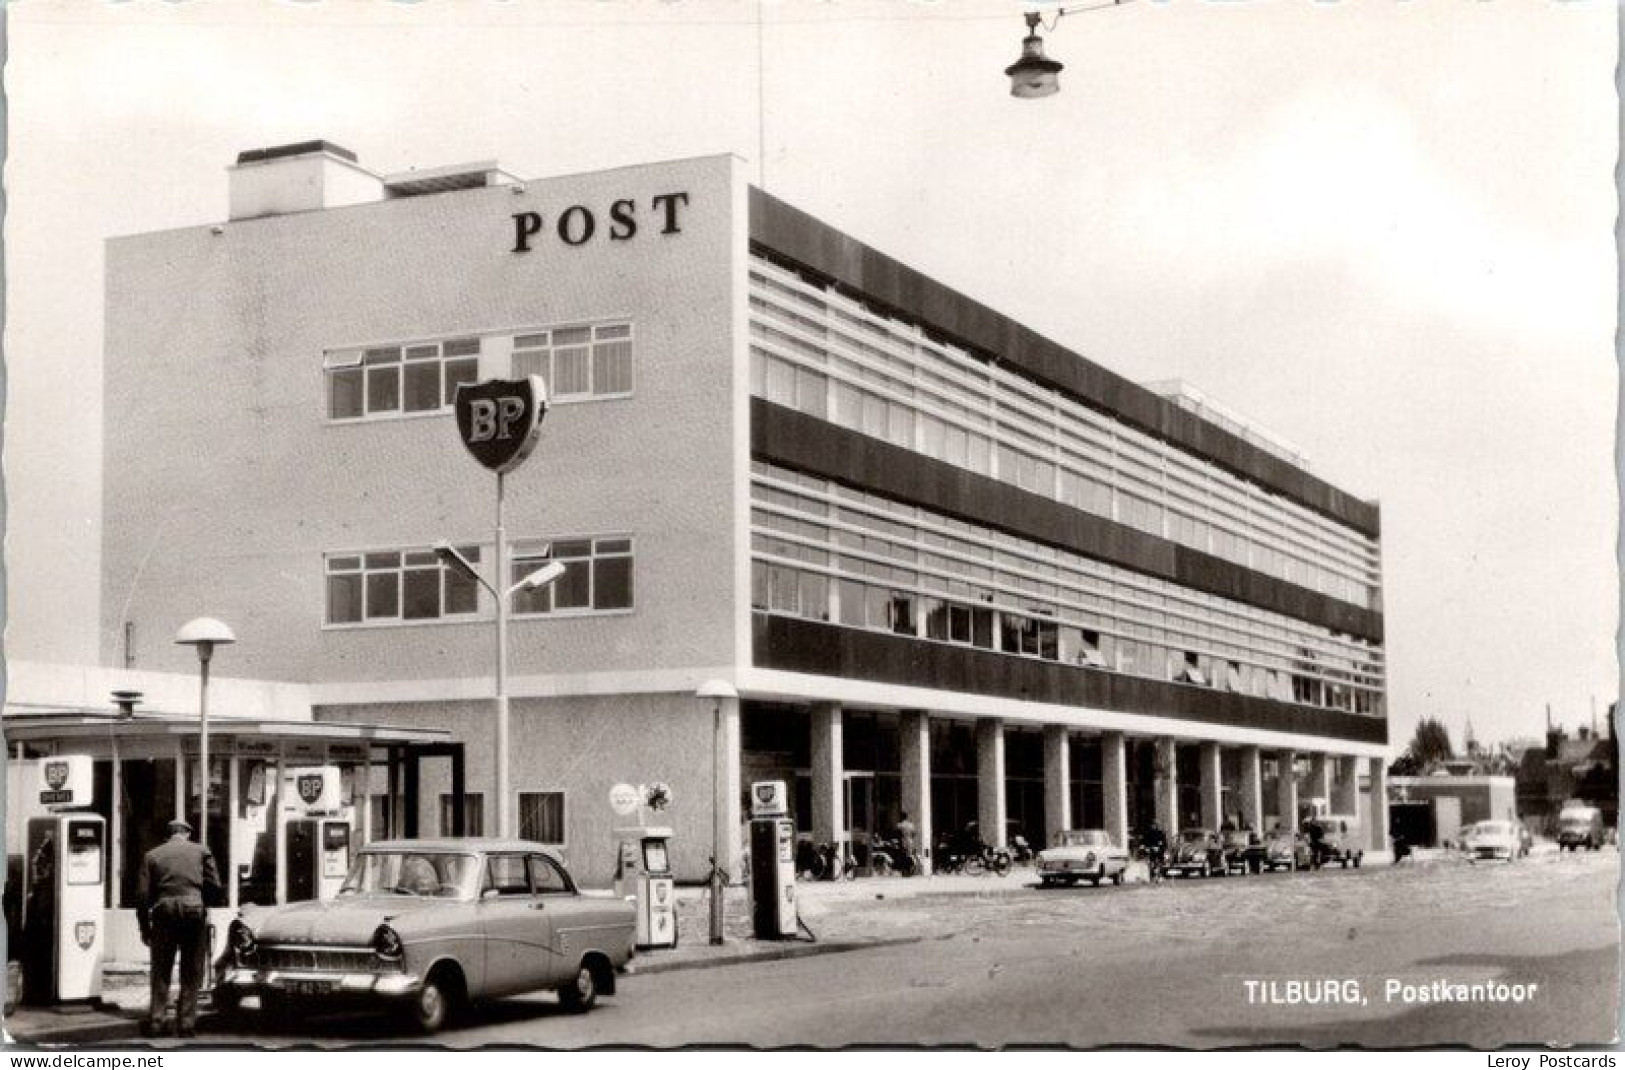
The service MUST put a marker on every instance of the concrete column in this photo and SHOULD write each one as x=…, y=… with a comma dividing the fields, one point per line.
x=1212, y=781
x=1167, y=787
x=1346, y=789
x=1379, y=805
x=828, y=810
x=914, y=743
x=1320, y=777
x=232, y=862
x=1114, y=786
x=990, y=781
x=1057, y=781
x=730, y=833
x=1286, y=789
x=1252, y=790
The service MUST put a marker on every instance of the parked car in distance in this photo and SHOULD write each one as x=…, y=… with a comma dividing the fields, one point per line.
x=1082, y=855
x=1285, y=849
x=1579, y=825
x=1243, y=851
x=427, y=927
x=1340, y=840
x=1197, y=853
x=1490, y=840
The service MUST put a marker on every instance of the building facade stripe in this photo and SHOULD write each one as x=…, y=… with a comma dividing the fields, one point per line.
x=803, y=646
x=795, y=440
x=782, y=232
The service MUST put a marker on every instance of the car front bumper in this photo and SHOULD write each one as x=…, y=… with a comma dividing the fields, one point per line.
x=319, y=984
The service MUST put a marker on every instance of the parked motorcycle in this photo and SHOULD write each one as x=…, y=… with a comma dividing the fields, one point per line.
x=822, y=862
x=888, y=859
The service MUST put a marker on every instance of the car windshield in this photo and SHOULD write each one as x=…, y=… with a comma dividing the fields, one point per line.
x=1085, y=838
x=1193, y=836
x=1492, y=828
x=443, y=875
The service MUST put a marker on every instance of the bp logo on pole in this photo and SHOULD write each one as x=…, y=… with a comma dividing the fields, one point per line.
x=499, y=419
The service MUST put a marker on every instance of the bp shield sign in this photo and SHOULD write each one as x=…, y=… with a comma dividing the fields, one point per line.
x=499, y=419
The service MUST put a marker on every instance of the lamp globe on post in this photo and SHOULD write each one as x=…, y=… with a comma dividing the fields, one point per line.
x=204, y=633
x=1034, y=74
x=716, y=692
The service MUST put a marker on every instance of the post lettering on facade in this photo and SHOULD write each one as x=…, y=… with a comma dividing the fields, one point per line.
x=579, y=224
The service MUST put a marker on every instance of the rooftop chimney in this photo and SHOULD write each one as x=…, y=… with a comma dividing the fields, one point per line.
x=300, y=177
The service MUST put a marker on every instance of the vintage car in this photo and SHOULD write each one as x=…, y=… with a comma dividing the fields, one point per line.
x=426, y=927
x=1580, y=826
x=1491, y=840
x=1243, y=851
x=1082, y=855
x=1285, y=849
x=1197, y=853
x=1335, y=838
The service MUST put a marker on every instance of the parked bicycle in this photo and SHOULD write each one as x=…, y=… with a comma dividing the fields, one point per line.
x=822, y=862
x=887, y=858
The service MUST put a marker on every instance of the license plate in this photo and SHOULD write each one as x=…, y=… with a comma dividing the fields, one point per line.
x=309, y=988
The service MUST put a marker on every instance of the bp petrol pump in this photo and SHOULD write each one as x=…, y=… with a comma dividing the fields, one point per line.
x=63, y=876
x=643, y=873
x=772, y=862
x=318, y=835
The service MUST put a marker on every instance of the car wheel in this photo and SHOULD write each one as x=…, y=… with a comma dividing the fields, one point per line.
x=580, y=994
x=1117, y=878
x=432, y=1006
x=1094, y=882
x=1046, y=882
x=1358, y=858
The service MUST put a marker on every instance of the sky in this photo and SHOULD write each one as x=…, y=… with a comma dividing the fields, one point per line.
x=1380, y=231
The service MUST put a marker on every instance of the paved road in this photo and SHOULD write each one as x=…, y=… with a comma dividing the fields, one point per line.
x=1139, y=965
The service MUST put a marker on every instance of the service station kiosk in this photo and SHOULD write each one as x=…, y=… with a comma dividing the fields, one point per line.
x=772, y=862
x=643, y=872
x=55, y=887
x=288, y=807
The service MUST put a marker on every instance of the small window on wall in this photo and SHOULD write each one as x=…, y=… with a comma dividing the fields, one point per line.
x=541, y=817
x=380, y=381
x=597, y=575
x=578, y=363
x=473, y=814
x=397, y=585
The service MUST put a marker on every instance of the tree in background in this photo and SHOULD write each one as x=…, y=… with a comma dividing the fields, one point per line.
x=1430, y=744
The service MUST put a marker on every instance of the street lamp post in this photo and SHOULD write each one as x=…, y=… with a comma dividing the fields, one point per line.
x=203, y=633
x=542, y=577
x=717, y=691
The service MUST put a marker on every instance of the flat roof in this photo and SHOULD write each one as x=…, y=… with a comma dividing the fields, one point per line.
x=35, y=726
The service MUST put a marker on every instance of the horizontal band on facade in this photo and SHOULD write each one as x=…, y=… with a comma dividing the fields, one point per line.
x=783, y=232
x=813, y=647
x=795, y=440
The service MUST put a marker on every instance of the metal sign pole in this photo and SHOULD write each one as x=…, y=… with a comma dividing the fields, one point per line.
x=505, y=826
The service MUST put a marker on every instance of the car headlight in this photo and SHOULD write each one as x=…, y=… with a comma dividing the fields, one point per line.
x=241, y=940
x=1089, y=859
x=386, y=943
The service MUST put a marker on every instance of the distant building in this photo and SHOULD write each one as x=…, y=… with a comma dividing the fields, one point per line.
x=1585, y=766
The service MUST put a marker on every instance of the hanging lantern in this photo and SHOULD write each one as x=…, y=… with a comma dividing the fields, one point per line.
x=1034, y=74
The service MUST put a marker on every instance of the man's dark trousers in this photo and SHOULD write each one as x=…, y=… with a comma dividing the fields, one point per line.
x=180, y=929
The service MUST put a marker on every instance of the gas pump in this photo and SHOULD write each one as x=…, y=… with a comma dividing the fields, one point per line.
x=318, y=835
x=772, y=862
x=64, y=875
x=643, y=871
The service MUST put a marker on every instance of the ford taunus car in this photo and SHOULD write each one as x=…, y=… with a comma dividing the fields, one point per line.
x=1491, y=840
x=1285, y=849
x=1197, y=853
x=428, y=926
x=1082, y=855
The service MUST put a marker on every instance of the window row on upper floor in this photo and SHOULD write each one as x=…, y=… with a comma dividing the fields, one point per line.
x=412, y=584
x=577, y=362
x=830, y=357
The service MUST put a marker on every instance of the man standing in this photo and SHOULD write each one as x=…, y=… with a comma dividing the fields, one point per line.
x=178, y=882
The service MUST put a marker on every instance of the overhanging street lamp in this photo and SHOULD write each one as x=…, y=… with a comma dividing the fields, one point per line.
x=717, y=692
x=542, y=577
x=1035, y=74
x=203, y=633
